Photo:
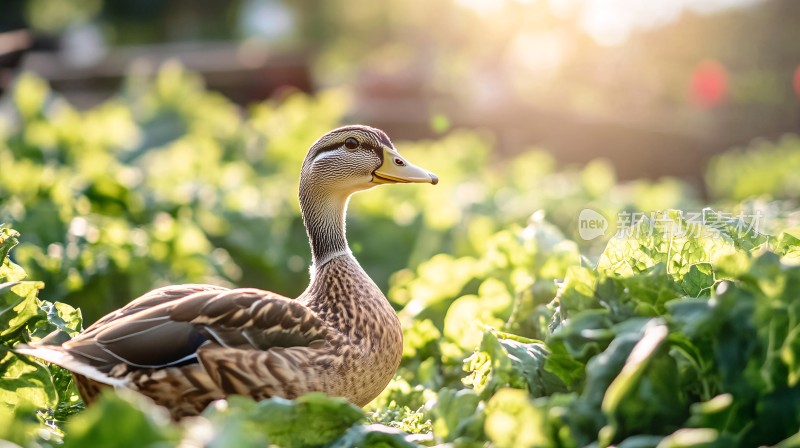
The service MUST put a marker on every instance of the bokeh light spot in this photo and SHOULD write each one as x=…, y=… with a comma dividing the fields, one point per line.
x=709, y=84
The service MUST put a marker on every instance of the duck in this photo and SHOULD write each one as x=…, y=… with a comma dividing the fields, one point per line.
x=186, y=346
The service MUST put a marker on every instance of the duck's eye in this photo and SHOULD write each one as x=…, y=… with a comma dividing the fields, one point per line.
x=351, y=143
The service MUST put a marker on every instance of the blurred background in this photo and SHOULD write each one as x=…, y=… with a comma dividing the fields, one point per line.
x=656, y=87
x=148, y=142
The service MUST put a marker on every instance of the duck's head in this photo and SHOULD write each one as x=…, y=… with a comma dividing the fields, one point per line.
x=355, y=158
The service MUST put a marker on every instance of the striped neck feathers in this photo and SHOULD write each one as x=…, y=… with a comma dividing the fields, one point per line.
x=324, y=219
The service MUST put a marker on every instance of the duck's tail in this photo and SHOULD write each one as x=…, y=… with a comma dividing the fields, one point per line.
x=56, y=354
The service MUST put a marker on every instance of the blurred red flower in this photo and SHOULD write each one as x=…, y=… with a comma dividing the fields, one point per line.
x=709, y=84
x=796, y=81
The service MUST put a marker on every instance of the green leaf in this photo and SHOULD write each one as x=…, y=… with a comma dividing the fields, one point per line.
x=645, y=396
x=226, y=423
x=313, y=419
x=513, y=422
x=402, y=418
x=693, y=437
x=456, y=415
x=9, y=272
x=790, y=442
x=578, y=290
x=18, y=305
x=640, y=441
x=8, y=239
x=716, y=413
x=788, y=246
x=644, y=294
x=421, y=339
x=699, y=280
x=584, y=335
x=21, y=427
x=23, y=381
x=30, y=95
x=373, y=436
x=504, y=360
x=120, y=417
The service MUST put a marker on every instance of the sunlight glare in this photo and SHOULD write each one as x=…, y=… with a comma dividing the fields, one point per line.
x=483, y=6
x=539, y=53
x=611, y=22
x=606, y=26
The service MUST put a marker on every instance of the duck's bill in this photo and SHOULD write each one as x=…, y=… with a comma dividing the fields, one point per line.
x=397, y=170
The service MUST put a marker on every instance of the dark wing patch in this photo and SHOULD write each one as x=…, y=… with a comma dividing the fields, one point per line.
x=250, y=319
x=141, y=334
x=170, y=332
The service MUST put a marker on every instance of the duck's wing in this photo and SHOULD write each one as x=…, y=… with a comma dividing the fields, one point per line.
x=150, y=300
x=166, y=327
x=250, y=319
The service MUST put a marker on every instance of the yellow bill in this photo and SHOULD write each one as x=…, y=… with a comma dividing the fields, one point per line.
x=395, y=169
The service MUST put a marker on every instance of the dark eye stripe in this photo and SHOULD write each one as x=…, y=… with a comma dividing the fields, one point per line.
x=330, y=147
x=370, y=140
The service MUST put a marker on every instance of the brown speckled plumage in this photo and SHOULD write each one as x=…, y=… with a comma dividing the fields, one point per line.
x=185, y=346
x=368, y=353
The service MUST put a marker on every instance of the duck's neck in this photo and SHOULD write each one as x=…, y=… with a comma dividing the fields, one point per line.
x=324, y=219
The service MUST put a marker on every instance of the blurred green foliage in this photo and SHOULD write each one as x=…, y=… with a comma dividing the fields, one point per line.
x=518, y=332
x=761, y=169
